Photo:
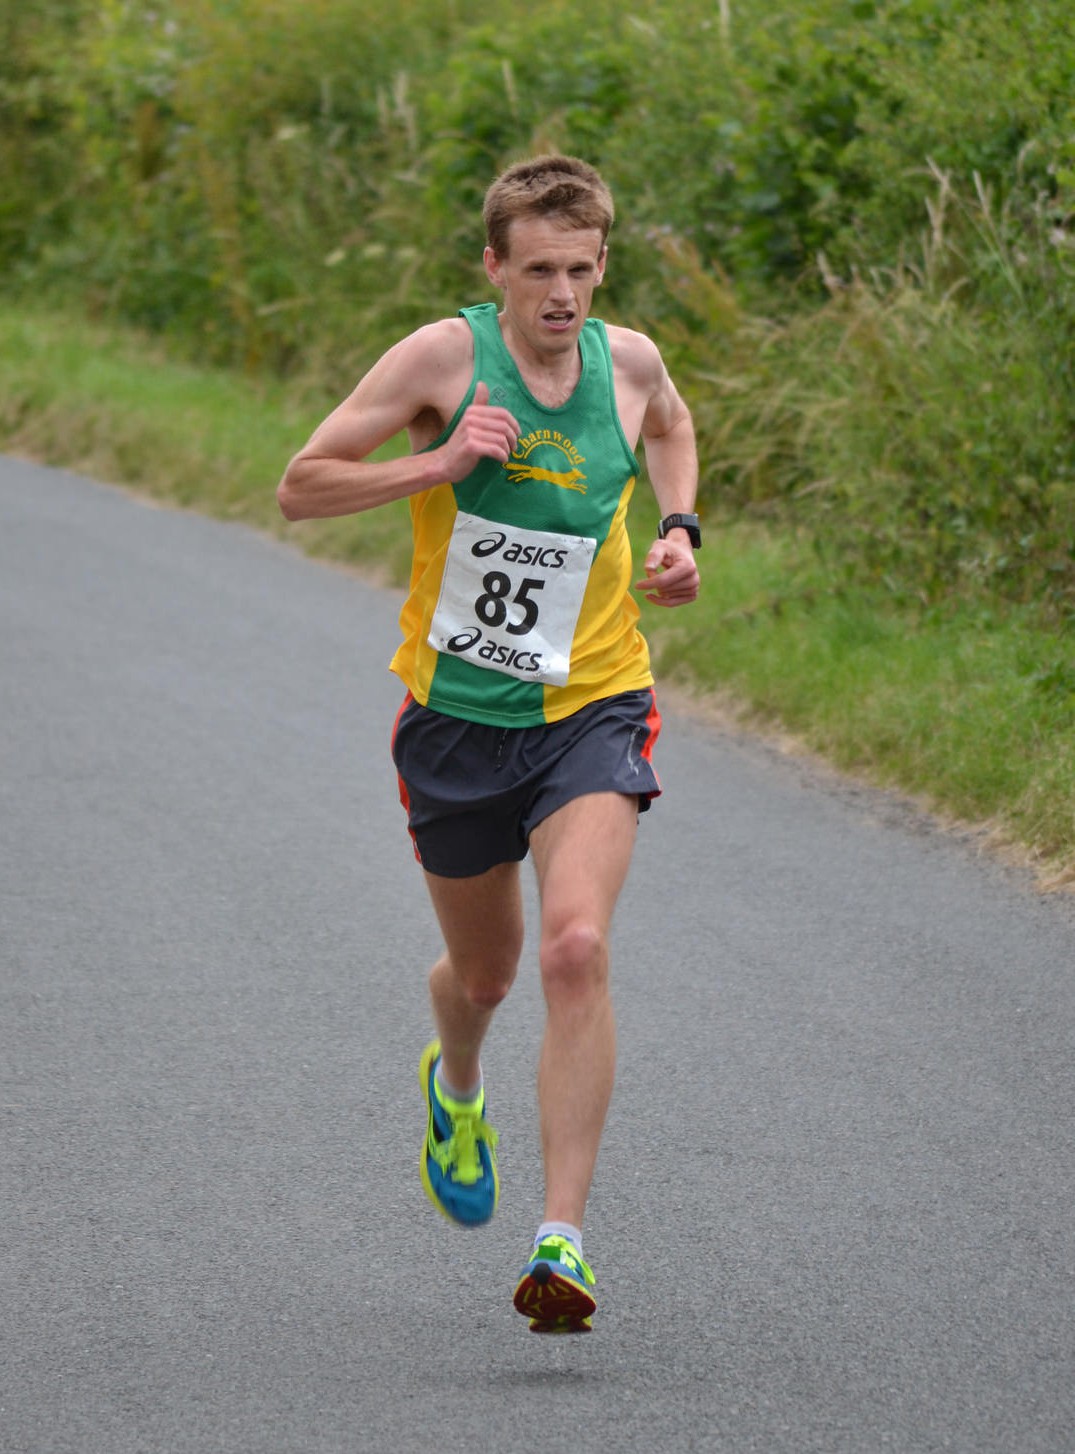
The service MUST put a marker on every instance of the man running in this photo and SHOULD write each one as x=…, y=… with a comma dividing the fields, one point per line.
x=529, y=720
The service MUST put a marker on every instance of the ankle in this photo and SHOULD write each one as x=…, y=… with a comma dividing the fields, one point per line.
x=447, y=1090
x=560, y=1229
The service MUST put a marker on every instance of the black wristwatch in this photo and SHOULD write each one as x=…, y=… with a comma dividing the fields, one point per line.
x=689, y=523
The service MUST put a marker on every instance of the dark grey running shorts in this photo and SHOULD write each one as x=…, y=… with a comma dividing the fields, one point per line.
x=474, y=793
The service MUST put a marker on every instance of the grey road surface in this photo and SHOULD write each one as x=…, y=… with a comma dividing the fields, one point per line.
x=834, y=1210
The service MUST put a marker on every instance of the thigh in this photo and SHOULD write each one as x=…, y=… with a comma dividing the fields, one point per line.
x=582, y=853
x=481, y=919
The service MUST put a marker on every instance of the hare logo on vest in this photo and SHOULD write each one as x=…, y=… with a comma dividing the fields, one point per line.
x=544, y=456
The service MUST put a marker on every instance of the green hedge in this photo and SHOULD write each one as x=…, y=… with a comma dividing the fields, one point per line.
x=849, y=221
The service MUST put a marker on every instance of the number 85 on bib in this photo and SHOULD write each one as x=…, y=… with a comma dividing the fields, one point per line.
x=510, y=598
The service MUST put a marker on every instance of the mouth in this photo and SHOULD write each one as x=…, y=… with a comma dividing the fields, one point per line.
x=558, y=318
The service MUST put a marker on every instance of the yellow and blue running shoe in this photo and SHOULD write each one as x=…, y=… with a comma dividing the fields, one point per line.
x=554, y=1289
x=458, y=1160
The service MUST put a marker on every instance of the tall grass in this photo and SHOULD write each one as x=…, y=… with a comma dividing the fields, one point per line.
x=920, y=436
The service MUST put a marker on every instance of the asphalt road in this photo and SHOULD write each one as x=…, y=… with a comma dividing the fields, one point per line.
x=834, y=1210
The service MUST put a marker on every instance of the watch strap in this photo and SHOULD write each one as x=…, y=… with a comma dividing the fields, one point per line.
x=689, y=523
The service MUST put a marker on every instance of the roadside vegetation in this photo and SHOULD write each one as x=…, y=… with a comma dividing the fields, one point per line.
x=850, y=223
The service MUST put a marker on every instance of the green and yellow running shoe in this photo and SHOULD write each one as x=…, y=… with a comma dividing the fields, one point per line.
x=554, y=1289
x=458, y=1160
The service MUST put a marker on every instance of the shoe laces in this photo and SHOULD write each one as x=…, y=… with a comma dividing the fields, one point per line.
x=458, y=1156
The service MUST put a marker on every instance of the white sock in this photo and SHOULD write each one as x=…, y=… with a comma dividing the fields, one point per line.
x=559, y=1229
x=450, y=1092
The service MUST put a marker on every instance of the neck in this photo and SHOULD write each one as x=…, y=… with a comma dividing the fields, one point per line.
x=550, y=377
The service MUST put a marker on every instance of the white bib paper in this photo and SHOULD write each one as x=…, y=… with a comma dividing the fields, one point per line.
x=510, y=598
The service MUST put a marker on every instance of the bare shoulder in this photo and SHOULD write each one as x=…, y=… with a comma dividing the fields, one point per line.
x=446, y=338
x=635, y=356
x=427, y=356
x=646, y=399
x=421, y=380
x=417, y=385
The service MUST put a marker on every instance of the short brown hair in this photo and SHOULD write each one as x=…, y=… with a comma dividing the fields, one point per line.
x=568, y=191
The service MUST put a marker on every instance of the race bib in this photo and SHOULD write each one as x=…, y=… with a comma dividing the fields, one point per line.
x=510, y=598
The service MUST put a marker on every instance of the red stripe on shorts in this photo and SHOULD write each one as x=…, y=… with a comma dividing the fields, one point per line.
x=653, y=728
x=404, y=796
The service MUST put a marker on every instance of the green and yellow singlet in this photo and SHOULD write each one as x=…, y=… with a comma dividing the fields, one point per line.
x=519, y=610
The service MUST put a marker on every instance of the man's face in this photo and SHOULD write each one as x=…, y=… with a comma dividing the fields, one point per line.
x=547, y=279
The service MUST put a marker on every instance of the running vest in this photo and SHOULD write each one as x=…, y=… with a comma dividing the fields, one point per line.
x=519, y=610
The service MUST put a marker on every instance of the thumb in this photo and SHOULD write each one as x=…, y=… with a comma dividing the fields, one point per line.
x=481, y=393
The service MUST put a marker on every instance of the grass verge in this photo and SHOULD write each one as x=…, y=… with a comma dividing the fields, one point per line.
x=972, y=712
x=112, y=404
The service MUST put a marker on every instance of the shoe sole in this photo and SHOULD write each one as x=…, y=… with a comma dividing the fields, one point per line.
x=560, y=1326
x=554, y=1301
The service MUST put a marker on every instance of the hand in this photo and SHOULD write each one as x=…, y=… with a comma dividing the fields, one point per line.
x=671, y=575
x=484, y=432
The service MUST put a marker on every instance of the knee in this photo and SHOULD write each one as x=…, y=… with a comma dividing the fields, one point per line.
x=482, y=982
x=574, y=962
x=486, y=994
x=486, y=983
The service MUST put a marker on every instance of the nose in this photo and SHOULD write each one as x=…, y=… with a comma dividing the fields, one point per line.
x=561, y=290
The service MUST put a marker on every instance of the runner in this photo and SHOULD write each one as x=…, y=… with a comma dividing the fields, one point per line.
x=529, y=720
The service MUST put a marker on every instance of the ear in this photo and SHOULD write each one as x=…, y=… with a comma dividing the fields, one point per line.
x=493, y=269
x=602, y=263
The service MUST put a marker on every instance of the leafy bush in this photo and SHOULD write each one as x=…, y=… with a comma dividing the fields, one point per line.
x=850, y=222
x=215, y=155
x=925, y=444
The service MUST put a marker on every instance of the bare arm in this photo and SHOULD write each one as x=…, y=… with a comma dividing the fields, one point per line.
x=646, y=394
x=416, y=386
